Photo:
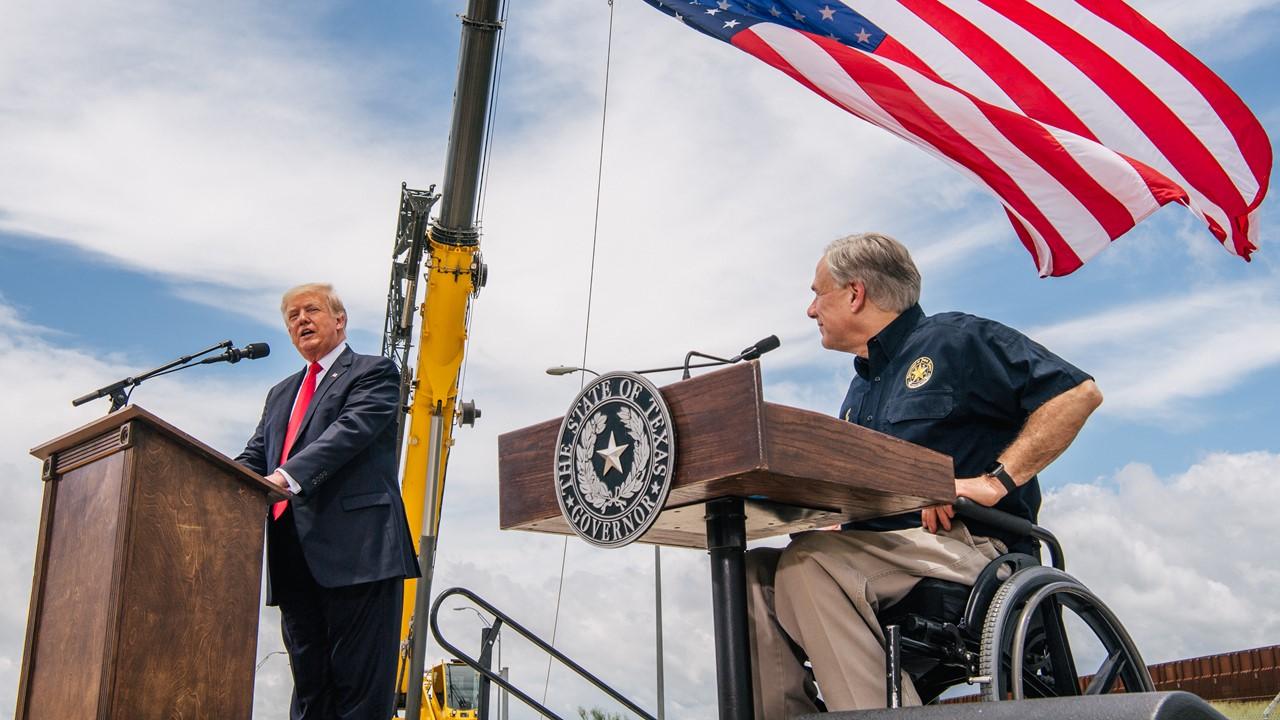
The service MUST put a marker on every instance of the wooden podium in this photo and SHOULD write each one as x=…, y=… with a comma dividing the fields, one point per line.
x=746, y=469
x=148, y=568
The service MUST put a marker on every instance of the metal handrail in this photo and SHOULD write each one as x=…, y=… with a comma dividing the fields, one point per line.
x=499, y=619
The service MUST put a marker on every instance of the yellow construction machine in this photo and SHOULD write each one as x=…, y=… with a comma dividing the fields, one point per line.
x=450, y=691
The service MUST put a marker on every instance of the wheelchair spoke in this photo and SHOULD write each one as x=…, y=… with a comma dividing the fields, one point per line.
x=1062, y=664
x=1035, y=686
x=1105, y=677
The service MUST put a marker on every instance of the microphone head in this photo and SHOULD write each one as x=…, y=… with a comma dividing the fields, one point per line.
x=253, y=351
x=761, y=347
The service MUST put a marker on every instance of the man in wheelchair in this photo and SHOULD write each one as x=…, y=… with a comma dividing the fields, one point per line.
x=1002, y=406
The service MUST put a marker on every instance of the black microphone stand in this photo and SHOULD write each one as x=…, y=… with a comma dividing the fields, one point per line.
x=750, y=353
x=684, y=367
x=694, y=353
x=120, y=390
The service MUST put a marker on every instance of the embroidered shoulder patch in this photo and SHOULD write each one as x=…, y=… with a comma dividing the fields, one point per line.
x=919, y=372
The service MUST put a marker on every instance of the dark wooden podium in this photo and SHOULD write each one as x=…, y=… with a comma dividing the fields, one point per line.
x=746, y=470
x=148, y=567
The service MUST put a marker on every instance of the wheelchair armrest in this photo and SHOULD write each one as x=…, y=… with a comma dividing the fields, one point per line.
x=1012, y=524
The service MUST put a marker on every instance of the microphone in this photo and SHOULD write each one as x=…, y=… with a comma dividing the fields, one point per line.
x=759, y=348
x=252, y=351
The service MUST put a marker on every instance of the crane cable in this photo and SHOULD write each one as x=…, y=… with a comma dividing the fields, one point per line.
x=586, y=330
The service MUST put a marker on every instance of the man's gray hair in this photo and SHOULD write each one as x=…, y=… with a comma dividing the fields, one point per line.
x=881, y=263
x=324, y=290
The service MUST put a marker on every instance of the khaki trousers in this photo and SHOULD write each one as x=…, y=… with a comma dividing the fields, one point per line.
x=818, y=598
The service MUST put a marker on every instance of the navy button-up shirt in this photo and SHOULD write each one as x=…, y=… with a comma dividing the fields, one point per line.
x=960, y=385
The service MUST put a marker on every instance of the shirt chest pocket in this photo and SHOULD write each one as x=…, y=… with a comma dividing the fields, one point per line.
x=920, y=406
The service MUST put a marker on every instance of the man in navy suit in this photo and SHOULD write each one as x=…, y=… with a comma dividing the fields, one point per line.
x=339, y=549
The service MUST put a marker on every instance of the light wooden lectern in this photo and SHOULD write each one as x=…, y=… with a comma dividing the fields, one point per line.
x=148, y=567
x=746, y=469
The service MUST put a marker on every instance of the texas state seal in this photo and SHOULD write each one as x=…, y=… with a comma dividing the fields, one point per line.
x=615, y=459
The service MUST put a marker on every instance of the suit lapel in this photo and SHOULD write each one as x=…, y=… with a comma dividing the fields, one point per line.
x=339, y=368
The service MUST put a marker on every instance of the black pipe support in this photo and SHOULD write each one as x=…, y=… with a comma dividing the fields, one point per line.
x=726, y=543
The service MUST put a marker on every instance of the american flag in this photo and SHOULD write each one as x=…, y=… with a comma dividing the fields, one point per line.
x=1080, y=116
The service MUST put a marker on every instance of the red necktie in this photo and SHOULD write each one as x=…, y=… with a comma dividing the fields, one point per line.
x=295, y=421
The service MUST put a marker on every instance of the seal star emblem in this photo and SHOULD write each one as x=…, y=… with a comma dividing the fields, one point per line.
x=612, y=455
x=919, y=372
x=603, y=507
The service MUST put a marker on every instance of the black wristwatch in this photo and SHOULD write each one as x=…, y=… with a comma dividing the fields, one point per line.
x=998, y=472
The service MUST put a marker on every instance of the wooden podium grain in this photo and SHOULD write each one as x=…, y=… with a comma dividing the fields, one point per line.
x=145, y=598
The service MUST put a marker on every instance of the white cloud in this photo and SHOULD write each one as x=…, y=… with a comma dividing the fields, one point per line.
x=211, y=144
x=1193, y=346
x=1185, y=561
x=1189, y=23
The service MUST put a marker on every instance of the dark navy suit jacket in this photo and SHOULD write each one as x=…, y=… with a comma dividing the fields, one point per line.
x=349, y=514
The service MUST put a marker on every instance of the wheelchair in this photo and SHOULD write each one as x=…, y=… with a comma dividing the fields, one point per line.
x=1006, y=633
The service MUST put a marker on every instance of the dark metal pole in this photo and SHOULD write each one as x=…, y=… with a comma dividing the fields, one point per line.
x=726, y=542
x=480, y=28
x=487, y=637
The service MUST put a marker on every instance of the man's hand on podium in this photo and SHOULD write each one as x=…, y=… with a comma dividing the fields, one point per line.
x=278, y=479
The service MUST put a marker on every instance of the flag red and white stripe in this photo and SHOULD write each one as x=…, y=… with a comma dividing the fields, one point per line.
x=1081, y=116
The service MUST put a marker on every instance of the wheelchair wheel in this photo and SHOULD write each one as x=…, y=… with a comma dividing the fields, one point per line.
x=1024, y=649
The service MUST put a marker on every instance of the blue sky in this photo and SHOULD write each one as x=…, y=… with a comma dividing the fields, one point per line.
x=166, y=170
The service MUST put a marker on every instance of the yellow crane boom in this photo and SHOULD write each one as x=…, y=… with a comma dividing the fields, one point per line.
x=453, y=275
